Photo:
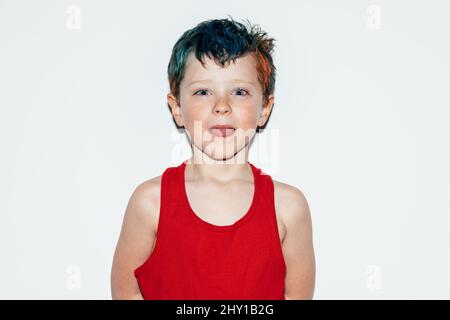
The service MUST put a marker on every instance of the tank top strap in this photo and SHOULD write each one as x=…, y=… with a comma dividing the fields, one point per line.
x=169, y=187
x=168, y=201
x=267, y=194
x=266, y=189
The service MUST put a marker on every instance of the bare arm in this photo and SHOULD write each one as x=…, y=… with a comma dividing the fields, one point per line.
x=136, y=240
x=297, y=246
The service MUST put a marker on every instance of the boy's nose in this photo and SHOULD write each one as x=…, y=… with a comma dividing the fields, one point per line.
x=221, y=109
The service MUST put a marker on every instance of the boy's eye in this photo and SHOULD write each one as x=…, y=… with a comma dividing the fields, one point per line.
x=201, y=93
x=242, y=90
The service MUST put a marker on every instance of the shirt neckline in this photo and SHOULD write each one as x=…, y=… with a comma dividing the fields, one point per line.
x=209, y=225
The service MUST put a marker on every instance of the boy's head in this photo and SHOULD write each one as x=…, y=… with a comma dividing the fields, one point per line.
x=222, y=73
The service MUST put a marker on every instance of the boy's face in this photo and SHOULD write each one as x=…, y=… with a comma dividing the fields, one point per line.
x=214, y=95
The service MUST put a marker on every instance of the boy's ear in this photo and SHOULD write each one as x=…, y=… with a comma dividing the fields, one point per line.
x=266, y=111
x=175, y=109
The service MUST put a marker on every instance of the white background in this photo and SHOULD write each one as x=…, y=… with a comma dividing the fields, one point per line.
x=360, y=125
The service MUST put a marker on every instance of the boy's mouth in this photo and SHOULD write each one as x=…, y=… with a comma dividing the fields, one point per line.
x=222, y=130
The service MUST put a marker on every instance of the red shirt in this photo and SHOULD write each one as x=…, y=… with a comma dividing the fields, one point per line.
x=196, y=260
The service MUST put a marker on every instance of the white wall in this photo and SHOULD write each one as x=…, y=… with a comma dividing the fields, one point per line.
x=360, y=125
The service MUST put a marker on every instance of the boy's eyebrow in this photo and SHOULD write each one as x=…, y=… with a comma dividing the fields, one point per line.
x=234, y=80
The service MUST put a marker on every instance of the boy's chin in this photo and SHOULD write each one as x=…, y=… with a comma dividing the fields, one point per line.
x=224, y=156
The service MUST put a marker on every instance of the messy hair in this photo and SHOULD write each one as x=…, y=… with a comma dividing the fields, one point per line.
x=223, y=41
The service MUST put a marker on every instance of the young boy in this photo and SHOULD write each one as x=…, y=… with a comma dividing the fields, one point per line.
x=215, y=226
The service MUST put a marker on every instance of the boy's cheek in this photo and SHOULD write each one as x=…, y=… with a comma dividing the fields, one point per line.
x=195, y=119
x=248, y=118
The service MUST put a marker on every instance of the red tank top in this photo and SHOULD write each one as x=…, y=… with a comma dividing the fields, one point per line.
x=196, y=260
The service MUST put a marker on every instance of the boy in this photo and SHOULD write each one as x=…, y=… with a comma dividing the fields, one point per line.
x=215, y=226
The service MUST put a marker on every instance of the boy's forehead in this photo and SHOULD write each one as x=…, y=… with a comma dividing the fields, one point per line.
x=243, y=68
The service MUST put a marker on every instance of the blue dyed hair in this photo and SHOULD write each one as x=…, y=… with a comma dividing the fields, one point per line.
x=223, y=41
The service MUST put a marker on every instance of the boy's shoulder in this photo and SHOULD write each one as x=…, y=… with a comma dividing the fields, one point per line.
x=146, y=197
x=290, y=203
x=149, y=188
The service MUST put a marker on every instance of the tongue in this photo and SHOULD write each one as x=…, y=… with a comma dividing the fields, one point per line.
x=218, y=132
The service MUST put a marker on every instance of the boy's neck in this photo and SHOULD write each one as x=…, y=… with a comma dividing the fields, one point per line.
x=201, y=166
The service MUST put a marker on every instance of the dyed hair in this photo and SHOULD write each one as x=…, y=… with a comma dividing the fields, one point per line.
x=223, y=41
